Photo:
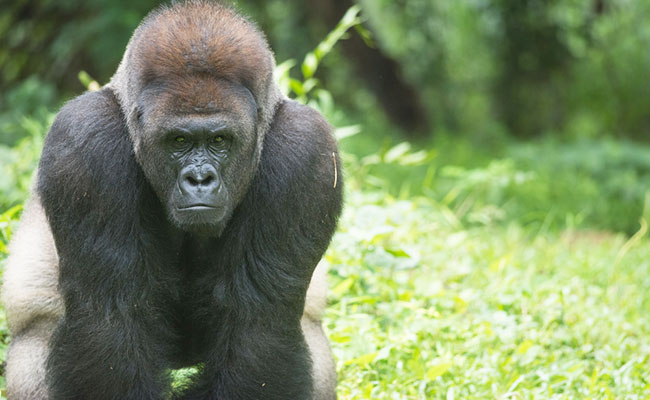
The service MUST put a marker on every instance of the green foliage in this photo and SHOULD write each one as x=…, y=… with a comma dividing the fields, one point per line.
x=470, y=272
x=307, y=90
x=608, y=91
x=560, y=66
x=18, y=163
x=302, y=88
x=607, y=180
x=572, y=68
x=30, y=100
x=545, y=185
x=446, y=49
x=50, y=39
x=88, y=81
x=8, y=220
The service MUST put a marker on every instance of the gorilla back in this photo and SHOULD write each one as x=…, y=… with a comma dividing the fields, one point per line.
x=178, y=217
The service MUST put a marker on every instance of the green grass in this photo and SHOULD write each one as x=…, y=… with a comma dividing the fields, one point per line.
x=461, y=271
x=422, y=308
x=494, y=273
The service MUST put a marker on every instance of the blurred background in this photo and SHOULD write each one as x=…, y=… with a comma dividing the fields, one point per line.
x=497, y=158
x=485, y=68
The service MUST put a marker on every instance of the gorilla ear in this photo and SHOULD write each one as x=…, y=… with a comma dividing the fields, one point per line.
x=137, y=111
x=267, y=108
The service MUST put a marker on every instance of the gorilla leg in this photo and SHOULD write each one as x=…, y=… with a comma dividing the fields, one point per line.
x=32, y=303
x=26, y=358
x=323, y=369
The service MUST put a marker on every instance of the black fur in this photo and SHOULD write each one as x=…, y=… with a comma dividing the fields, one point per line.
x=142, y=297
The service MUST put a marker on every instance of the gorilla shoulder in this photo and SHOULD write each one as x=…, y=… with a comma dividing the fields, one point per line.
x=91, y=113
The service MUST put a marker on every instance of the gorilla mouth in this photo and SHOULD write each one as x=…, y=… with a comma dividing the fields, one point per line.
x=198, y=207
x=200, y=218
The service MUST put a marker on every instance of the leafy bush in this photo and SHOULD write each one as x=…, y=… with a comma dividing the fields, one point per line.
x=18, y=163
x=544, y=185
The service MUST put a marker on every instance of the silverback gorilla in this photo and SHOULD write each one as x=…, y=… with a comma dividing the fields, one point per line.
x=176, y=220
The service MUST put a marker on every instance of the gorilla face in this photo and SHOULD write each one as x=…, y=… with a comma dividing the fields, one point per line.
x=197, y=102
x=196, y=147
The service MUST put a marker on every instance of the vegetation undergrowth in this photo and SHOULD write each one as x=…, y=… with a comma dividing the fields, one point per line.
x=429, y=302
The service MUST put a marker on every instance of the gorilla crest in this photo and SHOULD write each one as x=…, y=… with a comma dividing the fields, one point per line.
x=177, y=219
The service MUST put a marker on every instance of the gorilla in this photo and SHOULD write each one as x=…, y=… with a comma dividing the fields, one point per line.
x=177, y=219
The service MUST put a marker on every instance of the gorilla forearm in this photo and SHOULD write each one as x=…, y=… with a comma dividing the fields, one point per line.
x=252, y=360
x=122, y=352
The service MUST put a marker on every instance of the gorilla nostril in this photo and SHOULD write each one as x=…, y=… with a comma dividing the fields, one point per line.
x=192, y=181
x=208, y=180
x=199, y=179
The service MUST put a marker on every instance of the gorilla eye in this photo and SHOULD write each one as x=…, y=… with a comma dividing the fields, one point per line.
x=179, y=139
x=218, y=139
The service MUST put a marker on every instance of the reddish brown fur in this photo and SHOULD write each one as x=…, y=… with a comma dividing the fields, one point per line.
x=191, y=45
x=198, y=95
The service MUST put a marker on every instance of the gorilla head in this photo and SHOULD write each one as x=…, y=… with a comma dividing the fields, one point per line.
x=197, y=103
x=177, y=220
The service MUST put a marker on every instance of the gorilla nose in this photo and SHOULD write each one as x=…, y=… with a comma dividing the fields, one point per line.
x=199, y=179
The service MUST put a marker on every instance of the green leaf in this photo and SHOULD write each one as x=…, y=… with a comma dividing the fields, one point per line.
x=411, y=159
x=308, y=85
x=11, y=213
x=88, y=82
x=283, y=68
x=296, y=87
x=351, y=17
x=310, y=65
x=344, y=286
x=437, y=370
x=282, y=77
x=363, y=360
x=524, y=346
x=347, y=131
x=396, y=152
x=366, y=35
x=397, y=252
